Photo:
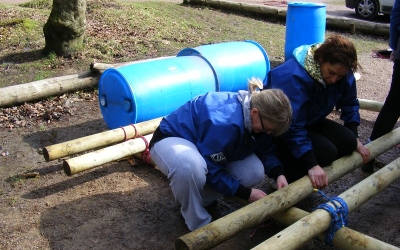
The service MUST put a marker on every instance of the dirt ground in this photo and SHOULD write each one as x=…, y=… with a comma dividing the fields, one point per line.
x=121, y=206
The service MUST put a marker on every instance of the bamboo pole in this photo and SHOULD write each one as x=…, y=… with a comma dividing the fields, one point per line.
x=18, y=94
x=255, y=213
x=370, y=105
x=318, y=221
x=345, y=238
x=99, y=140
x=105, y=155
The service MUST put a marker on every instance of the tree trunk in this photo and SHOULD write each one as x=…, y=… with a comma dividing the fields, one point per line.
x=65, y=28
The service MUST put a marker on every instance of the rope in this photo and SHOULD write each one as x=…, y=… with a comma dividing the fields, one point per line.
x=146, y=153
x=339, y=215
x=125, y=134
x=136, y=133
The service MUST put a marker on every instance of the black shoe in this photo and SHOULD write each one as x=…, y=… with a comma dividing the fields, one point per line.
x=212, y=205
x=213, y=210
x=369, y=167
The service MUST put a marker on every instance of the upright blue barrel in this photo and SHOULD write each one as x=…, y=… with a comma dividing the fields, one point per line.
x=151, y=89
x=305, y=24
x=234, y=63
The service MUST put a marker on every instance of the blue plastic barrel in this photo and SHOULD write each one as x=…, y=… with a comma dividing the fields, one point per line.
x=152, y=89
x=305, y=24
x=234, y=63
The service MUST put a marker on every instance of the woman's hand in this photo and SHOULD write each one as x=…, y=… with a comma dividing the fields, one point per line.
x=256, y=194
x=363, y=151
x=318, y=177
x=281, y=182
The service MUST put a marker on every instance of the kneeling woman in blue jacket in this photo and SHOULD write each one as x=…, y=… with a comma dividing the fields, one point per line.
x=317, y=80
x=219, y=144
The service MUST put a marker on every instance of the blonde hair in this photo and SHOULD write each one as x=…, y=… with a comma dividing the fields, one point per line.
x=272, y=104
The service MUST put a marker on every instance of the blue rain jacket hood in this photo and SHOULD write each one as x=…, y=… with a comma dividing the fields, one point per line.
x=215, y=123
x=310, y=100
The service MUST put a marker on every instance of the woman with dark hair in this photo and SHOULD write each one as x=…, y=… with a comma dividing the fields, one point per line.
x=318, y=79
x=220, y=144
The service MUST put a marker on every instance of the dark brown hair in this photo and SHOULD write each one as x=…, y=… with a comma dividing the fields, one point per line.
x=337, y=50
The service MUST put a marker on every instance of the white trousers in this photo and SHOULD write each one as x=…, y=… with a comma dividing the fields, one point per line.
x=181, y=162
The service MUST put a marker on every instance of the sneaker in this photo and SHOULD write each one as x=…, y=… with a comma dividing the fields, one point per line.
x=369, y=167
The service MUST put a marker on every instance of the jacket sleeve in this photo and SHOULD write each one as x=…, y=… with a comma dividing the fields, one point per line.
x=395, y=25
x=349, y=105
x=266, y=153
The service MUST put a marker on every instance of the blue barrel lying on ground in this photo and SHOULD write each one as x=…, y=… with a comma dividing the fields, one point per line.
x=233, y=62
x=154, y=88
x=151, y=89
x=305, y=24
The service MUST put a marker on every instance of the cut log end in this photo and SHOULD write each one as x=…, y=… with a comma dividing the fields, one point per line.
x=180, y=245
x=67, y=168
x=46, y=154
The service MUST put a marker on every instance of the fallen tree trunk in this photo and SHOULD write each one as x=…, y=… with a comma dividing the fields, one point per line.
x=99, y=140
x=33, y=91
x=105, y=155
x=255, y=213
x=318, y=221
x=332, y=22
x=354, y=25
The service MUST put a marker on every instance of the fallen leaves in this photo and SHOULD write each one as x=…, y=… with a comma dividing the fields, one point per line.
x=50, y=110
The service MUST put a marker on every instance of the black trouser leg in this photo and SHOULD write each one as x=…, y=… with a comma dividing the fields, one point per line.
x=330, y=141
x=390, y=112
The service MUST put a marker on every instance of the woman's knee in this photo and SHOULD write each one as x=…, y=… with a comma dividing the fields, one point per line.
x=249, y=171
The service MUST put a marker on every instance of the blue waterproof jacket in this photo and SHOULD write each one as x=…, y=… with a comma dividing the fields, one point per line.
x=311, y=102
x=214, y=122
x=394, y=40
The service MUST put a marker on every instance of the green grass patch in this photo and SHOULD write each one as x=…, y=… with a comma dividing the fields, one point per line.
x=38, y=4
x=120, y=32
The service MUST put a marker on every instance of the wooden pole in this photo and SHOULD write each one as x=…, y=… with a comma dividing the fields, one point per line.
x=101, y=67
x=370, y=105
x=105, y=155
x=99, y=140
x=255, y=213
x=19, y=94
x=318, y=221
x=333, y=22
x=345, y=238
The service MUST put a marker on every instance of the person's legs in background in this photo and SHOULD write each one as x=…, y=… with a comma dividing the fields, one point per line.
x=389, y=113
